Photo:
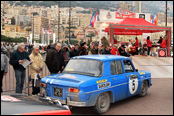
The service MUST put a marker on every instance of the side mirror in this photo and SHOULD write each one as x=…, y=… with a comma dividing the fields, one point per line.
x=136, y=70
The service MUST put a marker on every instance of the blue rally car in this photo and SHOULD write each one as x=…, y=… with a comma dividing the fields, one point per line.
x=96, y=80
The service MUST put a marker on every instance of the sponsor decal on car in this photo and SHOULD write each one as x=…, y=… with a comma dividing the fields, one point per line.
x=141, y=73
x=69, y=69
x=103, y=85
x=101, y=81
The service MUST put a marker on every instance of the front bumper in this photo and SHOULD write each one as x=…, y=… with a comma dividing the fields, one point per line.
x=65, y=102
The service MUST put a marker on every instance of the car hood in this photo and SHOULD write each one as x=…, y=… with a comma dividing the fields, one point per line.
x=73, y=80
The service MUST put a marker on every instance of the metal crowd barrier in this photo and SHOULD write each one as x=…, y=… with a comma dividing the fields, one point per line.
x=9, y=80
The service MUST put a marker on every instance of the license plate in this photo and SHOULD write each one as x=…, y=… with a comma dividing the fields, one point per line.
x=57, y=92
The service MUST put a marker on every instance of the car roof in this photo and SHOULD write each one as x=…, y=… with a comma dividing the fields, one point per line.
x=101, y=57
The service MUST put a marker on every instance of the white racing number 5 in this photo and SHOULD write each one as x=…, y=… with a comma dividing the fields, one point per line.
x=133, y=85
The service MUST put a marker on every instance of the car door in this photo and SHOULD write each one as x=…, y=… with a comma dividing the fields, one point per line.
x=132, y=78
x=119, y=80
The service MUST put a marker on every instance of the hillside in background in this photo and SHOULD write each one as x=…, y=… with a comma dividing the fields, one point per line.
x=147, y=6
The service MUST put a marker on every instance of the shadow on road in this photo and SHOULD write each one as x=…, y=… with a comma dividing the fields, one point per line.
x=113, y=106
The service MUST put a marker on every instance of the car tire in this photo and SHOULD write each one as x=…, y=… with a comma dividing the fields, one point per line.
x=103, y=103
x=144, y=89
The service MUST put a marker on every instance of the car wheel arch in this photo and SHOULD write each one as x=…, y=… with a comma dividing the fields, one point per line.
x=110, y=94
x=147, y=82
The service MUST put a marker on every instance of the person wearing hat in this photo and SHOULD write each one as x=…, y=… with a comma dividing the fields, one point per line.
x=74, y=52
x=122, y=51
x=82, y=49
x=114, y=50
x=66, y=53
x=95, y=49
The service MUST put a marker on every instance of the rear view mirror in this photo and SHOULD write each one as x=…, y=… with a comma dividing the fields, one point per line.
x=136, y=70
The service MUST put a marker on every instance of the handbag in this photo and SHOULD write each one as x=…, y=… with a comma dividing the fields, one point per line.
x=37, y=80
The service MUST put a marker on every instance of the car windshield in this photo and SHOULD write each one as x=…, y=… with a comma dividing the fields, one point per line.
x=84, y=67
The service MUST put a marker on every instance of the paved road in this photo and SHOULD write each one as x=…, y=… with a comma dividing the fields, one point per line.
x=159, y=101
x=159, y=67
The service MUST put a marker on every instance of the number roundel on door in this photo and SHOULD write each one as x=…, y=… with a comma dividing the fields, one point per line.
x=133, y=85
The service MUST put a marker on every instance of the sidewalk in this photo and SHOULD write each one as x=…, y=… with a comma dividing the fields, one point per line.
x=159, y=67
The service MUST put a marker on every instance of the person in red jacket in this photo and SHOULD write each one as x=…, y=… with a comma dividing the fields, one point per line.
x=114, y=50
x=136, y=45
x=149, y=45
x=163, y=44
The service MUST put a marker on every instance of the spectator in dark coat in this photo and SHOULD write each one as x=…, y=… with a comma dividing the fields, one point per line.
x=136, y=45
x=95, y=49
x=55, y=59
x=30, y=49
x=16, y=59
x=160, y=40
x=122, y=51
x=74, y=52
x=82, y=49
x=106, y=50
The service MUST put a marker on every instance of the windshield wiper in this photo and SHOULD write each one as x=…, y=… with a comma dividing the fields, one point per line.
x=76, y=72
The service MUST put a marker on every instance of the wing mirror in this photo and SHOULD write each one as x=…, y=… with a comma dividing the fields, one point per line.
x=136, y=70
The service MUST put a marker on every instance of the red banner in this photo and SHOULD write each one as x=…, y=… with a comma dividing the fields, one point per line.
x=122, y=14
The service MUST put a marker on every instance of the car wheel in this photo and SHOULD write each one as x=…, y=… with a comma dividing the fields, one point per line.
x=103, y=103
x=144, y=89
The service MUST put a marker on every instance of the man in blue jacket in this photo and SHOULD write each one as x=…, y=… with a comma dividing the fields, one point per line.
x=16, y=59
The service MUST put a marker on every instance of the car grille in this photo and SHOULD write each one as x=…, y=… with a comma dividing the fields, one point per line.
x=57, y=92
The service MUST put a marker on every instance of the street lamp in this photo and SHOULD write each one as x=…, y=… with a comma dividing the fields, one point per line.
x=59, y=17
x=34, y=14
x=69, y=19
x=166, y=13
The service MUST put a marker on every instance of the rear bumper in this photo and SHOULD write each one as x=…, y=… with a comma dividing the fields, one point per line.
x=65, y=102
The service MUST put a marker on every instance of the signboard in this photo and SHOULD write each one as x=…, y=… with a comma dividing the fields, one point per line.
x=109, y=16
x=122, y=14
x=162, y=52
x=142, y=16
